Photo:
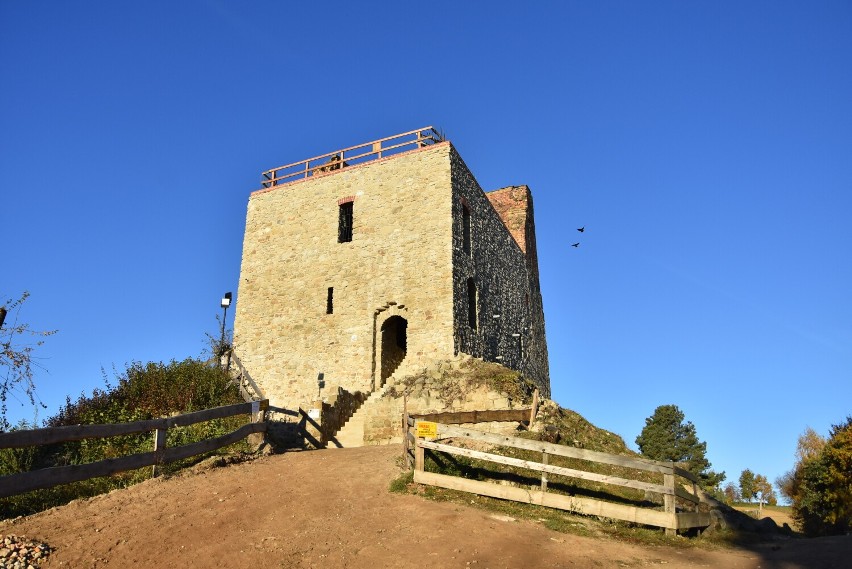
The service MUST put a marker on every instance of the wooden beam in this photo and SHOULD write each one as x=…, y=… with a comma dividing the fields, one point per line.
x=551, y=469
x=159, y=447
x=273, y=171
x=459, y=417
x=48, y=477
x=669, y=502
x=681, y=493
x=686, y=520
x=534, y=408
x=447, y=431
x=585, y=506
x=685, y=473
x=52, y=435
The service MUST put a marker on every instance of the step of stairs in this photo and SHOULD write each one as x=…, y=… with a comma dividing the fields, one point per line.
x=351, y=434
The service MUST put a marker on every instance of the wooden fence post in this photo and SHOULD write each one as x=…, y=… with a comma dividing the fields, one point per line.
x=419, y=454
x=258, y=415
x=405, y=430
x=534, y=406
x=159, y=447
x=669, y=501
x=544, y=460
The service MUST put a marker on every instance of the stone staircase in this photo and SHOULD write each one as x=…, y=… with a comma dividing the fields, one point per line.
x=352, y=432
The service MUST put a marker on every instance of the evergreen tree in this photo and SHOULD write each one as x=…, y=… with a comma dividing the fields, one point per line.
x=667, y=437
x=747, y=485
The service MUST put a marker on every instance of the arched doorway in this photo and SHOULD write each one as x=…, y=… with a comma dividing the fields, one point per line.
x=394, y=345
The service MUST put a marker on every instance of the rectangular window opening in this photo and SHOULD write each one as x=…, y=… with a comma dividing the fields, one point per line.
x=344, y=223
x=329, y=301
x=471, y=304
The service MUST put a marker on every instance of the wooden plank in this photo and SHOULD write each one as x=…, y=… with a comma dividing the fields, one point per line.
x=48, y=477
x=685, y=473
x=52, y=435
x=208, y=445
x=459, y=417
x=244, y=375
x=419, y=456
x=680, y=492
x=551, y=469
x=330, y=154
x=669, y=502
x=576, y=504
x=279, y=173
x=446, y=431
x=534, y=408
x=159, y=447
x=214, y=413
x=686, y=520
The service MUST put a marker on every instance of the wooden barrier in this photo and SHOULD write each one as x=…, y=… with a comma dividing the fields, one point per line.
x=248, y=388
x=459, y=418
x=48, y=477
x=668, y=518
x=350, y=156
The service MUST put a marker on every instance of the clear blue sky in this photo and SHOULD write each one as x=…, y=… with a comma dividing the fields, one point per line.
x=706, y=147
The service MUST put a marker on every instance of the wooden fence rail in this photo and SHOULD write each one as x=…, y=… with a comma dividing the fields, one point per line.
x=350, y=156
x=669, y=518
x=49, y=477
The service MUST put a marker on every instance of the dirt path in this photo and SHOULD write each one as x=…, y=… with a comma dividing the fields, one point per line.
x=332, y=509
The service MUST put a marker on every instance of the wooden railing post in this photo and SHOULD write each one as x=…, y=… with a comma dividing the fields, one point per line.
x=534, y=409
x=258, y=415
x=405, y=430
x=669, y=501
x=159, y=447
x=544, y=460
x=419, y=454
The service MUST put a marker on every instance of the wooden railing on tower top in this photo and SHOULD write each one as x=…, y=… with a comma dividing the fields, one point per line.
x=351, y=156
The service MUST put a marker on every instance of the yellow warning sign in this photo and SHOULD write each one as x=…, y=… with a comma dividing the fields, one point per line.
x=427, y=429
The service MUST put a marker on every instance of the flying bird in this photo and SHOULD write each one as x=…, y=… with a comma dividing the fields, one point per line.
x=581, y=229
x=575, y=244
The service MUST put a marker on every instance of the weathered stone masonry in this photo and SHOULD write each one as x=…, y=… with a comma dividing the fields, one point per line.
x=398, y=292
x=510, y=327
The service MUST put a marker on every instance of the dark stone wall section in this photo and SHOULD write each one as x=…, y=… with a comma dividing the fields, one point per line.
x=510, y=313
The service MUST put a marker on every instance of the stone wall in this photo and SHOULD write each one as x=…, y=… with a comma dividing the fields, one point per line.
x=337, y=410
x=398, y=263
x=514, y=205
x=308, y=304
x=460, y=384
x=509, y=326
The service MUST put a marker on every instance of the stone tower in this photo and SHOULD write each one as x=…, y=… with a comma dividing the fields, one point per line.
x=379, y=260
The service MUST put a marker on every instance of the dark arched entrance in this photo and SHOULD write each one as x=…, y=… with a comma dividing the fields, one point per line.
x=394, y=343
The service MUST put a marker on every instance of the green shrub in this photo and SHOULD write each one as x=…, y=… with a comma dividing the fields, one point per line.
x=141, y=392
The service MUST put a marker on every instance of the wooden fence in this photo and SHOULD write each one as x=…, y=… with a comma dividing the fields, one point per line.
x=48, y=477
x=351, y=156
x=247, y=386
x=671, y=490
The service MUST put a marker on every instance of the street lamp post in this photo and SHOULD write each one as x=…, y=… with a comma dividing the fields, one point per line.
x=226, y=302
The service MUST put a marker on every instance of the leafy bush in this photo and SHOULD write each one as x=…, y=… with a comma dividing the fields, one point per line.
x=141, y=392
x=821, y=486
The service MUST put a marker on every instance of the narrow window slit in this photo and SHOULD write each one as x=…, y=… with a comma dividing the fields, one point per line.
x=344, y=223
x=329, y=301
x=466, y=229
